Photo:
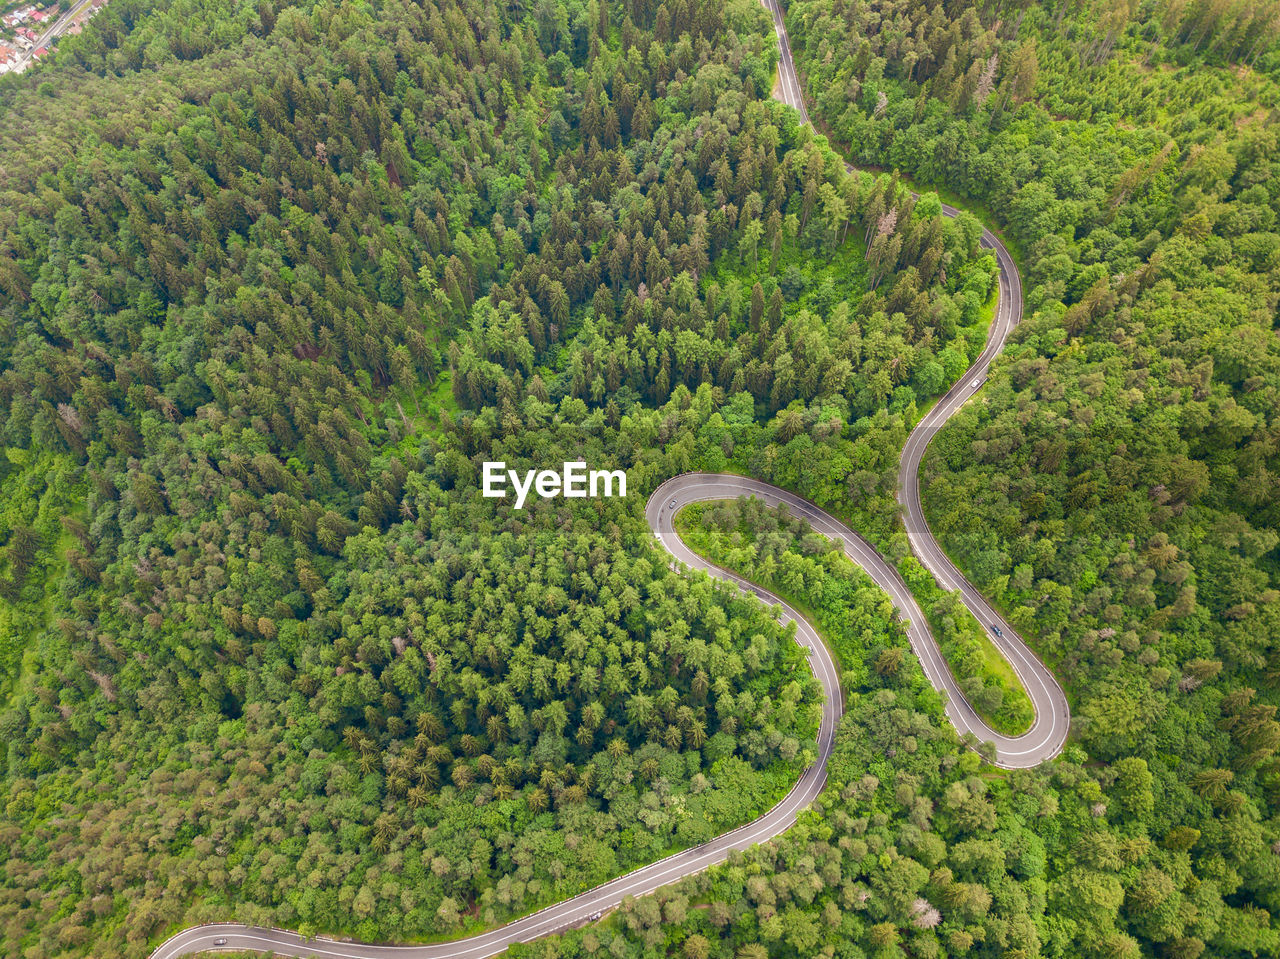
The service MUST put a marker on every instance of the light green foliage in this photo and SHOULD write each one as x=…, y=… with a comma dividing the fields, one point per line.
x=1113, y=486
x=914, y=842
x=276, y=278
x=258, y=336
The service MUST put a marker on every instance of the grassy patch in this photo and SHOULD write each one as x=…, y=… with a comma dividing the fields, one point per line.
x=37, y=491
x=988, y=679
x=411, y=416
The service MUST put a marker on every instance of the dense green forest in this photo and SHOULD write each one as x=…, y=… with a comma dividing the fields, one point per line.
x=916, y=848
x=275, y=278
x=747, y=542
x=1114, y=489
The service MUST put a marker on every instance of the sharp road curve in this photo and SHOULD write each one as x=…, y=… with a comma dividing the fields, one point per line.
x=1043, y=741
x=1048, y=733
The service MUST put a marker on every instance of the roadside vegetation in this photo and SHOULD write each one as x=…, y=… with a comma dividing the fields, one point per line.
x=791, y=560
x=779, y=552
x=275, y=278
x=1114, y=491
x=261, y=635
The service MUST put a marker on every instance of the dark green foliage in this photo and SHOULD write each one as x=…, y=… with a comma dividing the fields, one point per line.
x=274, y=587
x=1113, y=489
x=275, y=279
x=914, y=842
x=260, y=332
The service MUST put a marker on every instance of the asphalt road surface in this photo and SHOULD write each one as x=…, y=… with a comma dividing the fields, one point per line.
x=788, y=89
x=1052, y=722
x=55, y=29
x=1043, y=741
x=1049, y=731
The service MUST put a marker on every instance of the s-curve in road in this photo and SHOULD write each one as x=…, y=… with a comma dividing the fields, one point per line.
x=1048, y=733
x=587, y=906
x=1045, y=738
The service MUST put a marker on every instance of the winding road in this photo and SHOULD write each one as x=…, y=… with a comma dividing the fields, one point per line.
x=1048, y=733
x=1043, y=741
